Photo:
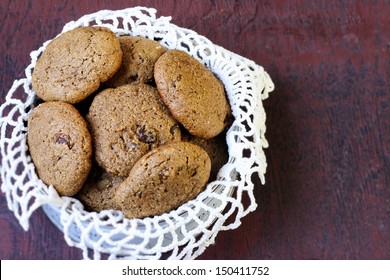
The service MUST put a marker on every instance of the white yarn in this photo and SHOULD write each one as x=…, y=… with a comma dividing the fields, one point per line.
x=183, y=233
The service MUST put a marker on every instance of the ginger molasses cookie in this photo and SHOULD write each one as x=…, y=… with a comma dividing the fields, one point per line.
x=163, y=179
x=139, y=56
x=98, y=192
x=75, y=63
x=126, y=123
x=195, y=97
x=60, y=146
x=216, y=148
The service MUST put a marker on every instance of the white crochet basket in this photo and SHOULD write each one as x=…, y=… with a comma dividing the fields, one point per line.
x=183, y=233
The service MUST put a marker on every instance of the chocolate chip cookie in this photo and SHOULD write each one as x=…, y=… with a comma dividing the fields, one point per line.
x=163, y=179
x=60, y=146
x=126, y=123
x=98, y=192
x=216, y=148
x=74, y=64
x=139, y=56
x=195, y=97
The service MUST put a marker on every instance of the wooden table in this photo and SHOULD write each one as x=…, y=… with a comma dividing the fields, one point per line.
x=327, y=191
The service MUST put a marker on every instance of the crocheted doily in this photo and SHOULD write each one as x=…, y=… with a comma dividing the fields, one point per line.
x=183, y=233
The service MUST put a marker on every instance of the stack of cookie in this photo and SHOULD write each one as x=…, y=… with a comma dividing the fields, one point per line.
x=123, y=123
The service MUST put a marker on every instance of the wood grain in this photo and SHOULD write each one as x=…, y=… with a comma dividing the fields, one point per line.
x=327, y=191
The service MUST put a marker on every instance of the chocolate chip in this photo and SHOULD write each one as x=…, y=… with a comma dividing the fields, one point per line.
x=133, y=78
x=145, y=136
x=174, y=128
x=61, y=138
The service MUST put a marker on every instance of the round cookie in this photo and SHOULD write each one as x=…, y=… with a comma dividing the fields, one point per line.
x=126, y=123
x=139, y=56
x=216, y=148
x=74, y=64
x=195, y=97
x=164, y=179
x=60, y=146
x=98, y=192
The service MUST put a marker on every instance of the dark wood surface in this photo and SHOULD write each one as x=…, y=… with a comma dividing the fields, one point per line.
x=327, y=191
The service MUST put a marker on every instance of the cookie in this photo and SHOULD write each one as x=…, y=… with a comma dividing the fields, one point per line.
x=98, y=192
x=126, y=123
x=195, y=97
x=216, y=148
x=74, y=64
x=139, y=56
x=60, y=146
x=163, y=179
